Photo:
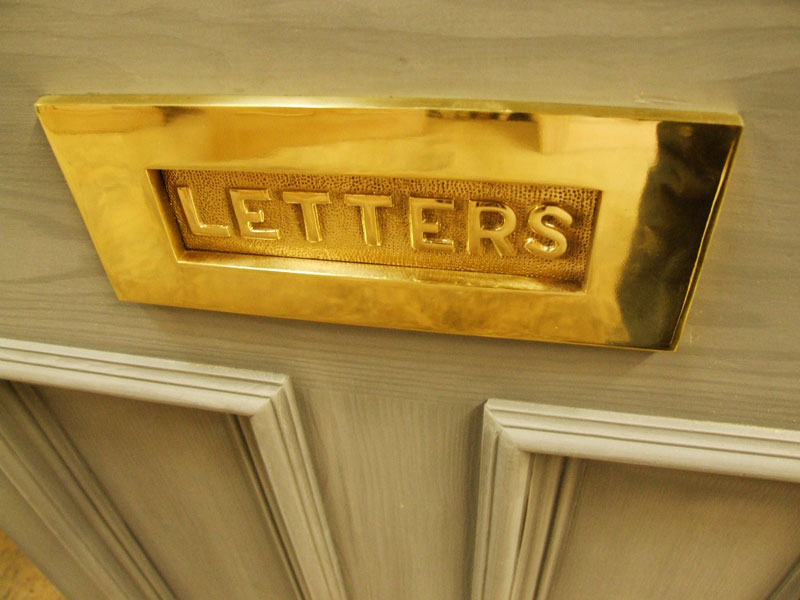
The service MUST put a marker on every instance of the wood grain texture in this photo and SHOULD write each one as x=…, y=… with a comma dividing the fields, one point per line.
x=738, y=361
x=645, y=532
x=397, y=491
x=551, y=528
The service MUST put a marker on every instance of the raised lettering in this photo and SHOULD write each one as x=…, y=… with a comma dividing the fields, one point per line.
x=196, y=226
x=558, y=244
x=476, y=232
x=421, y=227
x=308, y=202
x=369, y=204
x=246, y=218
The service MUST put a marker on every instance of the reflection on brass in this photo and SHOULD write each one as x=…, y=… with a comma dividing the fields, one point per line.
x=469, y=227
x=560, y=223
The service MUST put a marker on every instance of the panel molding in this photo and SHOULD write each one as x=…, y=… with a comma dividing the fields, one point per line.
x=531, y=470
x=724, y=448
x=206, y=387
x=274, y=439
x=264, y=418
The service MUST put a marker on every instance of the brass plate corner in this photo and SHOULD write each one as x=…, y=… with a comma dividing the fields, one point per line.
x=572, y=224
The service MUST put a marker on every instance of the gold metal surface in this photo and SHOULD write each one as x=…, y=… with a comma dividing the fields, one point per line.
x=426, y=223
x=559, y=223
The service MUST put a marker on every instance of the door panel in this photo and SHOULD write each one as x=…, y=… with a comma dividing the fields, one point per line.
x=643, y=532
x=165, y=479
x=158, y=500
x=177, y=478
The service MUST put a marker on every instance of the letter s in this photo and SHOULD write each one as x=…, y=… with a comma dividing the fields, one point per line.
x=537, y=224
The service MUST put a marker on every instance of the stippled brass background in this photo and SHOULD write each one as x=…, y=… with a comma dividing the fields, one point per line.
x=342, y=229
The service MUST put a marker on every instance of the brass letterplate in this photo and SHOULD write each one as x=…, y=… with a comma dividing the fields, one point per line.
x=559, y=223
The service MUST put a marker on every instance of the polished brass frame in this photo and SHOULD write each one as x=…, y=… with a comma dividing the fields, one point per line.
x=661, y=177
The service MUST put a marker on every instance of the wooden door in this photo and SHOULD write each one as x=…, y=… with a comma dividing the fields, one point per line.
x=393, y=421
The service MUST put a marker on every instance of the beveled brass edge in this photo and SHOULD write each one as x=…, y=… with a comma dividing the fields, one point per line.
x=711, y=224
x=377, y=102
